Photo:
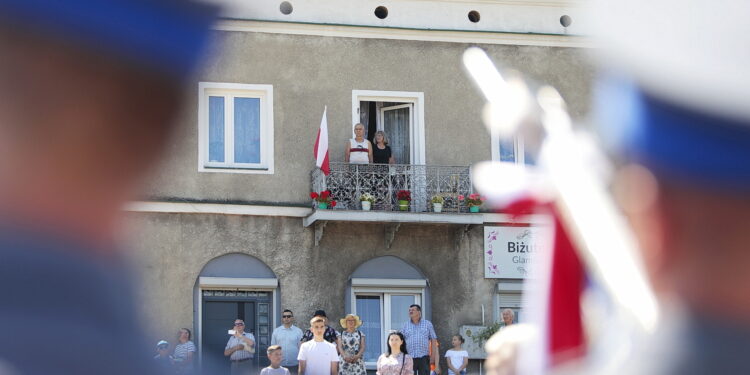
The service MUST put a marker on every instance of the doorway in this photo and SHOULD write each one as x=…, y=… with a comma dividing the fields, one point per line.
x=396, y=120
x=219, y=310
x=399, y=114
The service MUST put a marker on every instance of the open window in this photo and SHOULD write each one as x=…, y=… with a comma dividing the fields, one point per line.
x=509, y=295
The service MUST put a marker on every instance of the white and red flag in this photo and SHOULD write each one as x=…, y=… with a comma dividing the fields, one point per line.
x=553, y=299
x=321, y=146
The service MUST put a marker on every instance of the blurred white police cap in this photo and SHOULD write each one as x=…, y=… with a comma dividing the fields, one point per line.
x=694, y=53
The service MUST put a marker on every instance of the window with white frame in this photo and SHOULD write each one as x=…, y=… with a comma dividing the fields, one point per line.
x=509, y=149
x=235, y=128
x=383, y=308
x=509, y=296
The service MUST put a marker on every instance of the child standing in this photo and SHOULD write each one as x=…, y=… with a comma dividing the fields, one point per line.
x=274, y=355
x=458, y=358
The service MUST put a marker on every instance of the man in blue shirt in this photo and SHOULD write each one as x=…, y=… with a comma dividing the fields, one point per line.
x=288, y=336
x=420, y=335
x=89, y=90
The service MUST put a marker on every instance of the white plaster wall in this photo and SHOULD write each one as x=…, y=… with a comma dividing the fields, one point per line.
x=530, y=16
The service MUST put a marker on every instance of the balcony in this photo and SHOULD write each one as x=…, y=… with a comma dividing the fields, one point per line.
x=347, y=182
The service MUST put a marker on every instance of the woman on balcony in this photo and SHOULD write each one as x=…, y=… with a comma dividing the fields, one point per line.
x=359, y=149
x=381, y=152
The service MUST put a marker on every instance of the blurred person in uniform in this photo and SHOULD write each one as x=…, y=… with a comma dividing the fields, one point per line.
x=504, y=346
x=89, y=91
x=675, y=105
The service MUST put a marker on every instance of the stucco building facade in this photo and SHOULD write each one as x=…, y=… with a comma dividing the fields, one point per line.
x=227, y=228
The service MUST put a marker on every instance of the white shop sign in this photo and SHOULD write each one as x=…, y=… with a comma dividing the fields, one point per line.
x=508, y=250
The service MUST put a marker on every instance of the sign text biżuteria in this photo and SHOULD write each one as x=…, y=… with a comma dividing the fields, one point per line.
x=508, y=250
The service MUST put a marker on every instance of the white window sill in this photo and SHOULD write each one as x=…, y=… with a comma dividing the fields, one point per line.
x=236, y=170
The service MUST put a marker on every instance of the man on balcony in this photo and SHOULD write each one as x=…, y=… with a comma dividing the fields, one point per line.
x=358, y=149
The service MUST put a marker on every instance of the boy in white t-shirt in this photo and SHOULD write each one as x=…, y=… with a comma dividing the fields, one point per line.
x=317, y=356
x=458, y=358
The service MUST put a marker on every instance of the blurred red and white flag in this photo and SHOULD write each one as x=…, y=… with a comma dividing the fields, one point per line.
x=553, y=297
x=321, y=146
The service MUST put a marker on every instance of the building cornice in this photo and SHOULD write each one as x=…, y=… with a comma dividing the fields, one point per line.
x=397, y=33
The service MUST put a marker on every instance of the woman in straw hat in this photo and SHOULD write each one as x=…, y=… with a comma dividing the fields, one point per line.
x=352, y=347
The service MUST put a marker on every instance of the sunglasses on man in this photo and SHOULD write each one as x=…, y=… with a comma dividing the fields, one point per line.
x=286, y=316
x=239, y=324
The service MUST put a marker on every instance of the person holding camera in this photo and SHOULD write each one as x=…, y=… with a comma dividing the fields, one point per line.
x=240, y=349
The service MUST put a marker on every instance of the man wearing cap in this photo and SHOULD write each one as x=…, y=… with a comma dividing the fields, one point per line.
x=420, y=336
x=680, y=120
x=240, y=349
x=164, y=361
x=288, y=336
x=330, y=335
x=86, y=106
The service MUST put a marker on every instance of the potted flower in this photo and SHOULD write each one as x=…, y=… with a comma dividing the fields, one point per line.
x=437, y=202
x=367, y=200
x=324, y=199
x=473, y=201
x=404, y=197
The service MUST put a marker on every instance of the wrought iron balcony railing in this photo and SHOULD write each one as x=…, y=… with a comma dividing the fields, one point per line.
x=347, y=182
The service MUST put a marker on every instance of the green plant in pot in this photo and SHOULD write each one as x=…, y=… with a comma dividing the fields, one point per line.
x=437, y=202
x=366, y=200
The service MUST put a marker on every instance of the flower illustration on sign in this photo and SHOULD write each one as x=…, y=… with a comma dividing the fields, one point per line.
x=524, y=235
x=493, y=268
x=491, y=237
x=522, y=271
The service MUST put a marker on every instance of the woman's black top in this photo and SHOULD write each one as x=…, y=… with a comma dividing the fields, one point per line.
x=381, y=156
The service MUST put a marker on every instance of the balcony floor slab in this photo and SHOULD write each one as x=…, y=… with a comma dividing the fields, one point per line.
x=393, y=217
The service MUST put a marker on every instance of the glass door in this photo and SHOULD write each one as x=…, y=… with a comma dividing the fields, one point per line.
x=369, y=309
x=381, y=314
x=397, y=124
x=399, y=309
